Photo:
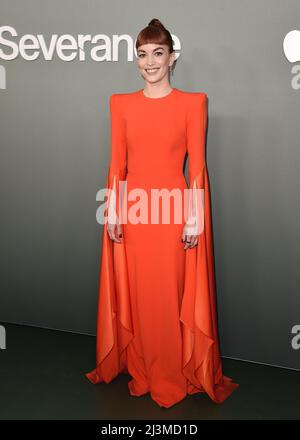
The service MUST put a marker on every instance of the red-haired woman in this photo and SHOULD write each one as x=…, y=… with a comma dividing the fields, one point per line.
x=156, y=309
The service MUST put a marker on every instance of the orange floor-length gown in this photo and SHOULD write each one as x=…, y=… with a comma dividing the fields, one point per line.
x=156, y=308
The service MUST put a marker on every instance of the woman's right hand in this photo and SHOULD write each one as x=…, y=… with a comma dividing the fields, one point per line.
x=114, y=231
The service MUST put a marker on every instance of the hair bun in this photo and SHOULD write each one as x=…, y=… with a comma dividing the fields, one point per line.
x=156, y=22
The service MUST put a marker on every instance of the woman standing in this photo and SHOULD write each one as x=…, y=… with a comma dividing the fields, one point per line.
x=156, y=310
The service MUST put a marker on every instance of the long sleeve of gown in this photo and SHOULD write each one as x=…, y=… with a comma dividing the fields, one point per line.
x=114, y=323
x=201, y=357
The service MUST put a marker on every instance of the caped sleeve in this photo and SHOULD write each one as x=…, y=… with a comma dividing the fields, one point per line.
x=114, y=320
x=118, y=157
x=201, y=356
x=196, y=122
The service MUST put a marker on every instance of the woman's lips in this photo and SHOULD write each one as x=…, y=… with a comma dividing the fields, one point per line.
x=152, y=71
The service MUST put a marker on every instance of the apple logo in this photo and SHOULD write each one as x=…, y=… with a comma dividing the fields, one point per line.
x=291, y=46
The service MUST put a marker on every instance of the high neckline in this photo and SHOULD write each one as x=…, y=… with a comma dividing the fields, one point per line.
x=157, y=99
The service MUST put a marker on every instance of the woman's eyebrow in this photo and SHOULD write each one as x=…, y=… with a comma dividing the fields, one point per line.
x=157, y=48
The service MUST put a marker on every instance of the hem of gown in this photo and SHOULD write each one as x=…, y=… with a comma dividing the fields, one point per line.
x=218, y=392
x=221, y=391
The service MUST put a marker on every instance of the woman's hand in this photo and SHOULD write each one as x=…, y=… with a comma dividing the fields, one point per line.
x=114, y=231
x=189, y=240
x=189, y=236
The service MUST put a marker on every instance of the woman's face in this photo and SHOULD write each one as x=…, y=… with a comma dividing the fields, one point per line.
x=154, y=61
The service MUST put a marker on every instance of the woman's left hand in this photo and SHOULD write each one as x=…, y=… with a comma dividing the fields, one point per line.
x=189, y=240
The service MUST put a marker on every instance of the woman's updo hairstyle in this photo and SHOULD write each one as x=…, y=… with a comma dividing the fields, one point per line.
x=156, y=33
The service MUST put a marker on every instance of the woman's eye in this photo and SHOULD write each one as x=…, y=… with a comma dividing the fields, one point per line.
x=159, y=53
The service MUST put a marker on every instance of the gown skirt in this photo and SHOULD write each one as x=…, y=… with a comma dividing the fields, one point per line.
x=156, y=317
